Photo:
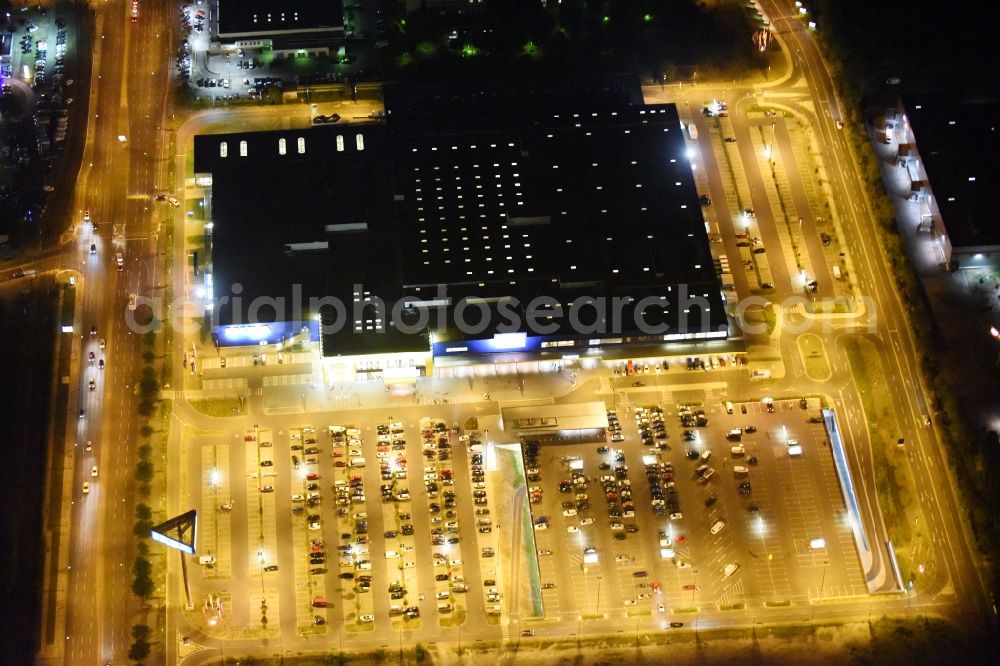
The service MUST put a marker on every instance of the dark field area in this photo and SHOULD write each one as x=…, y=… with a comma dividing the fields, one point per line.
x=28, y=324
x=929, y=46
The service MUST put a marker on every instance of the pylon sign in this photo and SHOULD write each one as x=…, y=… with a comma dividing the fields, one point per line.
x=178, y=533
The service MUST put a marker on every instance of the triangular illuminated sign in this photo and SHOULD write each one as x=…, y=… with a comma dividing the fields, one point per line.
x=179, y=533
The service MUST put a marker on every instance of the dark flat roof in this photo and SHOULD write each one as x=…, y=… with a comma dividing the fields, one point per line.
x=959, y=142
x=269, y=210
x=581, y=200
x=501, y=104
x=245, y=17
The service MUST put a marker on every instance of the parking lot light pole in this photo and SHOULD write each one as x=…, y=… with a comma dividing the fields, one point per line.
x=597, y=610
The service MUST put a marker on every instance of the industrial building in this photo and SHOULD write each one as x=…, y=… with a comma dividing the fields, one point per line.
x=287, y=28
x=497, y=224
x=947, y=145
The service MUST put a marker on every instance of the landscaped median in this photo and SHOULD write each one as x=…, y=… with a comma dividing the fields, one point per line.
x=893, y=481
x=504, y=482
x=217, y=406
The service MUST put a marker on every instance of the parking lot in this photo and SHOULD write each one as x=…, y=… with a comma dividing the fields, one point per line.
x=709, y=508
x=389, y=524
x=359, y=525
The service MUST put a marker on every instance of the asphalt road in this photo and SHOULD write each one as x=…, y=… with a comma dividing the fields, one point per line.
x=940, y=506
x=810, y=87
x=129, y=89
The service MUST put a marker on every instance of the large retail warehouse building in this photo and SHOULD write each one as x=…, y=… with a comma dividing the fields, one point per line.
x=500, y=223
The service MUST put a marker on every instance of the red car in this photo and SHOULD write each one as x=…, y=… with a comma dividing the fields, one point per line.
x=679, y=539
x=250, y=438
x=691, y=587
x=337, y=454
x=312, y=476
x=339, y=463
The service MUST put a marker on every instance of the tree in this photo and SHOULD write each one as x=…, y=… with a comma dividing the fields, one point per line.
x=140, y=632
x=141, y=567
x=139, y=650
x=144, y=471
x=142, y=587
x=143, y=512
x=336, y=659
x=142, y=528
x=420, y=653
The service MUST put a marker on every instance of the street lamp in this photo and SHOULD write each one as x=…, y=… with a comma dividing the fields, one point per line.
x=597, y=610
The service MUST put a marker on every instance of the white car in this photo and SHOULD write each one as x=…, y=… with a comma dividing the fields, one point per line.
x=86, y=487
x=717, y=526
x=617, y=527
x=409, y=565
x=93, y=470
x=298, y=498
x=366, y=618
x=730, y=569
x=174, y=201
x=572, y=528
x=455, y=563
x=586, y=521
x=676, y=516
x=391, y=554
x=315, y=526
x=569, y=512
x=622, y=558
